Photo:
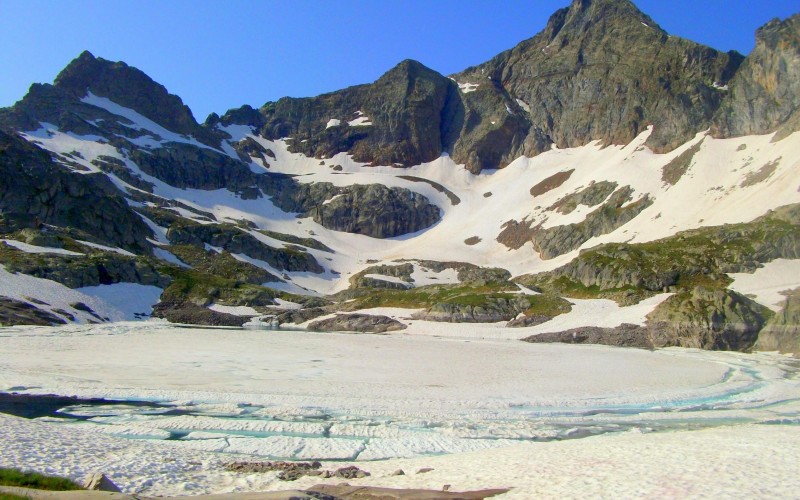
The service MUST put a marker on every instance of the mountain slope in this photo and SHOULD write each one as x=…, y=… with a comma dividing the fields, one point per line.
x=300, y=208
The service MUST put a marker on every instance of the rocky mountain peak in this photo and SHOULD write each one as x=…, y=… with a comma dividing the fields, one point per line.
x=604, y=16
x=765, y=93
x=603, y=70
x=777, y=31
x=129, y=87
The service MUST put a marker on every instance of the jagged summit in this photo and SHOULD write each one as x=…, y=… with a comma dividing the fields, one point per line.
x=604, y=70
x=129, y=87
x=587, y=11
x=765, y=93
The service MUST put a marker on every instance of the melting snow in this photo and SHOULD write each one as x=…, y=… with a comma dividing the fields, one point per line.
x=107, y=248
x=769, y=283
x=361, y=121
x=27, y=248
x=466, y=88
x=235, y=310
x=523, y=105
x=142, y=123
x=333, y=122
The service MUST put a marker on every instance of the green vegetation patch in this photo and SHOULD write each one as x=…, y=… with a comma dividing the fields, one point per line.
x=190, y=285
x=11, y=496
x=702, y=257
x=547, y=305
x=18, y=478
x=222, y=264
x=428, y=296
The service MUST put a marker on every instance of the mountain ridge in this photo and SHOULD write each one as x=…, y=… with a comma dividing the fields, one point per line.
x=424, y=191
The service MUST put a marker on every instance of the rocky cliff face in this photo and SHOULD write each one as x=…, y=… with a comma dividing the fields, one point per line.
x=765, y=93
x=35, y=190
x=129, y=87
x=402, y=118
x=782, y=332
x=603, y=70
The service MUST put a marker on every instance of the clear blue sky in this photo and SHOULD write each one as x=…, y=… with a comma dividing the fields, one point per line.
x=217, y=55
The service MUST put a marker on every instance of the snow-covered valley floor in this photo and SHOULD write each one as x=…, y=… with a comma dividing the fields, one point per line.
x=484, y=413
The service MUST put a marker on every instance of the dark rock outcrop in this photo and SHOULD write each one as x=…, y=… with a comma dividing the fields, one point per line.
x=402, y=272
x=235, y=240
x=188, y=166
x=625, y=335
x=702, y=319
x=297, y=316
x=470, y=274
x=601, y=69
x=131, y=88
x=35, y=190
x=363, y=323
x=188, y=313
x=378, y=211
x=16, y=312
x=782, y=332
x=707, y=319
x=104, y=268
x=408, y=109
x=488, y=310
x=765, y=93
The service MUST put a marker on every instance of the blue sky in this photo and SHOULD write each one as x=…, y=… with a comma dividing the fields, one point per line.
x=218, y=55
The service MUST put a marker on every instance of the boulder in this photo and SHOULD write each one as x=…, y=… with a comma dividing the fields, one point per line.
x=362, y=323
x=97, y=481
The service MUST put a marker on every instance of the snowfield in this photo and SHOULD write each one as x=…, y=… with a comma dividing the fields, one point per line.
x=404, y=400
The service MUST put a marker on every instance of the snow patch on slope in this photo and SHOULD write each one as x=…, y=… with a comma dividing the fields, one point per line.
x=142, y=123
x=768, y=284
x=27, y=248
x=117, y=302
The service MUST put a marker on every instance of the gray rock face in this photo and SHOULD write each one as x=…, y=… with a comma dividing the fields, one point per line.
x=782, y=332
x=363, y=323
x=187, y=166
x=490, y=310
x=16, y=312
x=377, y=211
x=558, y=240
x=37, y=190
x=408, y=108
x=129, y=87
x=707, y=319
x=625, y=335
x=765, y=93
x=600, y=70
x=235, y=240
